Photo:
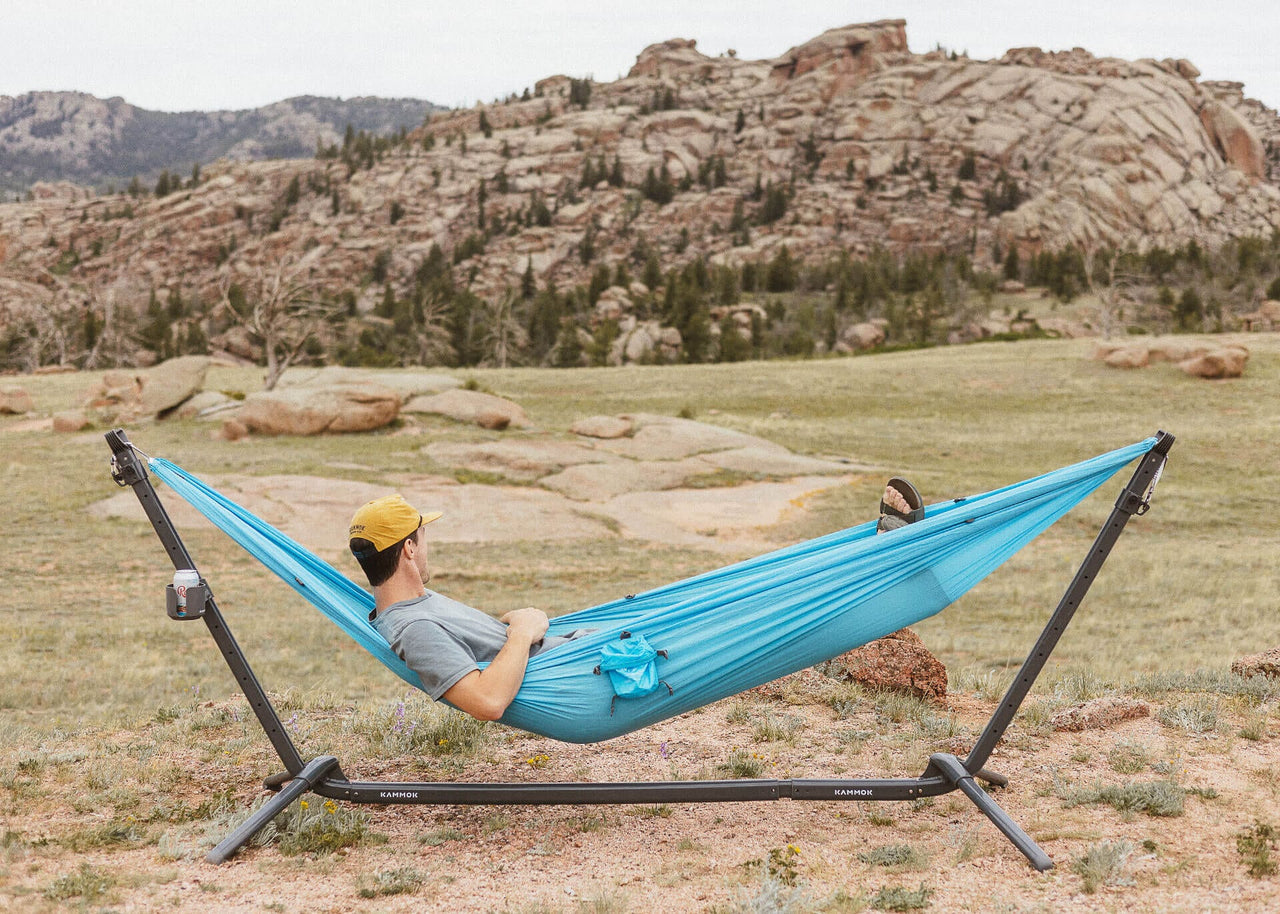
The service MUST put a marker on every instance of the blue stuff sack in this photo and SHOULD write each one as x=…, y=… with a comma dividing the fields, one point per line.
x=632, y=665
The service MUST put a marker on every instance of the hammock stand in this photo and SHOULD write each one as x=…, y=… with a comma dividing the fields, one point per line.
x=323, y=776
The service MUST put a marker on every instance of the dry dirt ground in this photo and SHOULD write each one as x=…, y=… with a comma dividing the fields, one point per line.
x=119, y=819
x=695, y=857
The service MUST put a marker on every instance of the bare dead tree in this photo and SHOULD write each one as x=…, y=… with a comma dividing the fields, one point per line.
x=1119, y=288
x=503, y=333
x=434, y=347
x=50, y=336
x=281, y=310
x=113, y=344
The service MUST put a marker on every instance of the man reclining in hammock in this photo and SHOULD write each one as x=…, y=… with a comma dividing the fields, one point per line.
x=444, y=641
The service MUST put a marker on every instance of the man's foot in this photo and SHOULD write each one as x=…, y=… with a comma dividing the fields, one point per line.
x=900, y=505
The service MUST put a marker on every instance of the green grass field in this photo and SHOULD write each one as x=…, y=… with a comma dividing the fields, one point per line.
x=125, y=754
x=1191, y=584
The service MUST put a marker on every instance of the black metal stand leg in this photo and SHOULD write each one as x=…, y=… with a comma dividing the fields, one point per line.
x=992, y=778
x=953, y=770
x=315, y=770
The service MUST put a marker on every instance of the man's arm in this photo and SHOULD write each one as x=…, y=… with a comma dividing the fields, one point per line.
x=485, y=694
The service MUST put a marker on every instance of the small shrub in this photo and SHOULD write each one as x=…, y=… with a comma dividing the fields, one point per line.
x=903, y=855
x=771, y=896
x=741, y=764
x=848, y=700
x=841, y=902
x=900, y=898
x=441, y=836
x=112, y=834
x=1155, y=798
x=1255, y=845
x=784, y=863
x=897, y=707
x=323, y=831
x=773, y=729
x=603, y=904
x=415, y=727
x=740, y=712
x=1256, y=689
x=1254, y=727
x=402, y=881
x=853, y=740
x=1076, y=688
x=309, y=826
x=661, y=811
x=1103, y=864
x=86, y=883
x=1199, y=715
x=1128, y=758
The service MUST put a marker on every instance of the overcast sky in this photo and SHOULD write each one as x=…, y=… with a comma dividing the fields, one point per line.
x=177, y=55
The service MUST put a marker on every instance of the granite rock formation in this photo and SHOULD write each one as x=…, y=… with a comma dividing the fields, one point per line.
x=871, y=145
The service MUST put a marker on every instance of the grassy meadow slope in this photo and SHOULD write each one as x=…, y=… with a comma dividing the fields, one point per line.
x=93, y=667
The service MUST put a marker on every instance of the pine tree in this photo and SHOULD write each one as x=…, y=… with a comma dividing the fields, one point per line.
x=528, y=282
x=568, y=350
x=1012, y=264
x=775, y=204
x=780, y=274
x=734, y=347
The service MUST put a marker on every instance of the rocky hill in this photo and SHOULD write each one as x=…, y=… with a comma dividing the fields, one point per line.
x=844, y=145
x=53, y=136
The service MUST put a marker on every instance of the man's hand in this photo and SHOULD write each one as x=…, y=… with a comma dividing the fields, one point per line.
x=528, y=624
x=485, y=694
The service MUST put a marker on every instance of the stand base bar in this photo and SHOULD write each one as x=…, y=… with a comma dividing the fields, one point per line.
x=954, y=771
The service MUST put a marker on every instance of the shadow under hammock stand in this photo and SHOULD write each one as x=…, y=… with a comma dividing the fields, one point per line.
x=323, y=776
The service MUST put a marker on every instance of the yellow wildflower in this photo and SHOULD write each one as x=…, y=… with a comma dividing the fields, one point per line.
x=330, y=807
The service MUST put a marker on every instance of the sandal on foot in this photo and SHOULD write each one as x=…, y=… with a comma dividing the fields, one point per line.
x=892, y=518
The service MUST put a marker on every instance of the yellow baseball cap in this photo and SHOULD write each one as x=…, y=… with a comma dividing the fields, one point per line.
x=386, y=521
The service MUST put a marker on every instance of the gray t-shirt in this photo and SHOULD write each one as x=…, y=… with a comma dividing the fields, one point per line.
x=443, y=640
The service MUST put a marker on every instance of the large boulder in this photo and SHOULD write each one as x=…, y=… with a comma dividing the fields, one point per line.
x=15, y=401
x=470, y=406
x=317, y=410
x=170, y=383
x=122, y=396
x=862, y=336
x=208, y=404
x=71, y=420
x=408, y=383
x=602, y=427
x=1227, y=362
x=1128, y=356
x=1175, y=350
x=896, y=663
x=1265, y=664
x=1234, y=138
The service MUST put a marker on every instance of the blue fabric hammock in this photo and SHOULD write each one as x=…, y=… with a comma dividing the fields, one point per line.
x=720, y=633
